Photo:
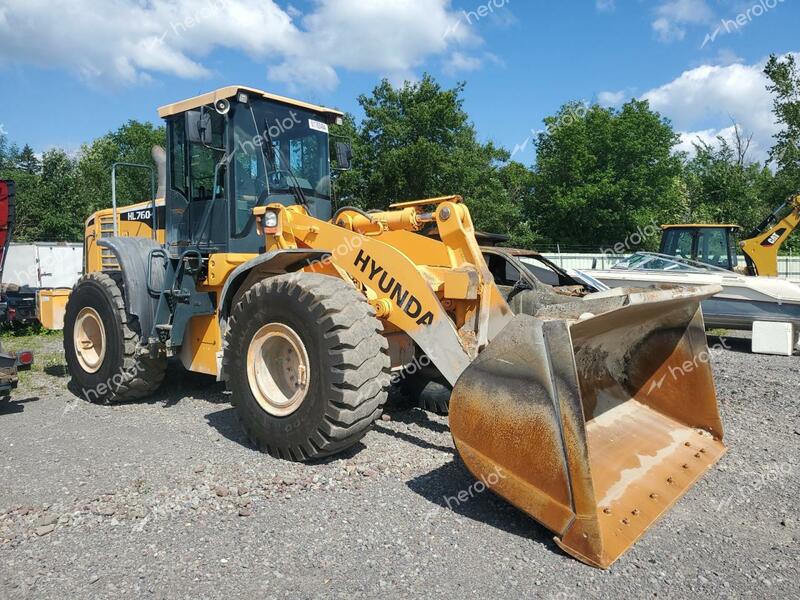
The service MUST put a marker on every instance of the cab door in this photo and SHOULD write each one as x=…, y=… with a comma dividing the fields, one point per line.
x=197, y=182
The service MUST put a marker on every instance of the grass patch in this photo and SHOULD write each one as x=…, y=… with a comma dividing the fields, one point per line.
x=48, y=362
x=15, y=330
x=45, y=347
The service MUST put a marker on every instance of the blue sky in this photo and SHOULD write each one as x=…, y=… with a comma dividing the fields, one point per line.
x=72, y=70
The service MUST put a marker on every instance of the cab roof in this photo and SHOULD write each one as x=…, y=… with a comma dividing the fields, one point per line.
x=702, y=226
x=232, y=91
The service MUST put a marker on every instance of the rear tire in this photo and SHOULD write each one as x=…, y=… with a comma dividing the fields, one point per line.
x=327, y=327
x=421, y=392
x=100, y=343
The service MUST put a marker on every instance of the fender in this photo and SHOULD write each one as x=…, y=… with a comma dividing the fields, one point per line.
x=269, y=264
x=133, y=254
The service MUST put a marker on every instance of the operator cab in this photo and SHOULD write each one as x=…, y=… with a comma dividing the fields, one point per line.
x=237, y=148
x=713, y=245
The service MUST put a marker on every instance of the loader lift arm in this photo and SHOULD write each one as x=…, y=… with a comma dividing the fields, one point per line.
x=762, y=247
x=439, y=293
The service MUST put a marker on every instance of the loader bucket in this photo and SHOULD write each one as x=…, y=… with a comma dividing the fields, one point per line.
x=594, y=424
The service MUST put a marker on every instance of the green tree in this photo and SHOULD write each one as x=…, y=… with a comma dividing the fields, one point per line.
x=723, y=187
x=9, y=154
x=50, y=204
x=416, y=141
x=56, y=195
x=603, y=173
x=784, y=84
x=3, y=150
x=27, y=161
x=130, y=143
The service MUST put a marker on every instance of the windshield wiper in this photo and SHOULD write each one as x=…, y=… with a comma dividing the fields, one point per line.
x=298, y=191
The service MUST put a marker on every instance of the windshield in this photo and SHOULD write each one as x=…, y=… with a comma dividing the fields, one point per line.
x=298, y=158
x=649, y=261
x=540, y=270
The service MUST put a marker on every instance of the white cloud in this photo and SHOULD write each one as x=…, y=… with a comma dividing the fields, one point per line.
x=126, y=41
x=711, y=137
x=611, y=98
x=702, y=103
x=458, y=62
x=605, y=5
x=726, y=56
x=672, y=17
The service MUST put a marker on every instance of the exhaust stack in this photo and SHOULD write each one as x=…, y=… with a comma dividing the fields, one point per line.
x=160, y=158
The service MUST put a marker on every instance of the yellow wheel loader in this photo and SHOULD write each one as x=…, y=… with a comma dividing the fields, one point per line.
x=717, y=244
x=592, y=416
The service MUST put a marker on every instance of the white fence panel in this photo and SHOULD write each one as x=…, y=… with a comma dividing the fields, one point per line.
x=788, y=266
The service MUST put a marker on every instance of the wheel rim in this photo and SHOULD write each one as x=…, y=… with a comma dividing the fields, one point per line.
x=89, y=338
x=278, y=369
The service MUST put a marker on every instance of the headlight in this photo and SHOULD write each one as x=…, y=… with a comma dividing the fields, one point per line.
x=270, y=219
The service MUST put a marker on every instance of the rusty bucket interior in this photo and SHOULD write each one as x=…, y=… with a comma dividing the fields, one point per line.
x=595, y=418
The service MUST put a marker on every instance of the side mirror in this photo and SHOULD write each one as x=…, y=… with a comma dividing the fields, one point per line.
x=344, y=156
x=198, y=127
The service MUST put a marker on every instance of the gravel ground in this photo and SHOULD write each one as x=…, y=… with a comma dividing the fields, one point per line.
x=165, y=499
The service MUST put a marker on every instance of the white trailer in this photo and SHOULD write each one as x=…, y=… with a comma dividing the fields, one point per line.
x=44, y=265
x=37, y=280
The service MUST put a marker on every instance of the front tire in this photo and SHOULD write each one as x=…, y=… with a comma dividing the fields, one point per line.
x=101, y=341
x=307, y=365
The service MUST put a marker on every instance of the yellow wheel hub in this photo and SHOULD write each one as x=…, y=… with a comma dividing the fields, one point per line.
x=278, y=369
x=89, y=338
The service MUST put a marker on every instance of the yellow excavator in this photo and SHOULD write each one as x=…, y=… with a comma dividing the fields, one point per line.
x=717, y=244
x=592, y=416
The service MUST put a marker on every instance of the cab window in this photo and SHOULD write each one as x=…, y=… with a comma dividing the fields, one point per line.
x=712, y=248
x=203, y=160
x=678, y=242
x=178, y=158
